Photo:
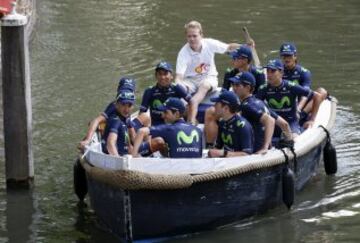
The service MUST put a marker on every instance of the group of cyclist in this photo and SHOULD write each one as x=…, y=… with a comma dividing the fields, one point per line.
x=256, y=107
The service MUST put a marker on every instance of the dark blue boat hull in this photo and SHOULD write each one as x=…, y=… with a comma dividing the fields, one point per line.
x=203, y=206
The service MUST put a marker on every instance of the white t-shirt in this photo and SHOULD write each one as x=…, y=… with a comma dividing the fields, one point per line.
x=197, y=65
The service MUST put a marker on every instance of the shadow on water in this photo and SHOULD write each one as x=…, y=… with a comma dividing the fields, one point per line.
x=87, y=224
x=20, y=211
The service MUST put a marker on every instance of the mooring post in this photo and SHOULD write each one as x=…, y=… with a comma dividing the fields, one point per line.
x=16, y=100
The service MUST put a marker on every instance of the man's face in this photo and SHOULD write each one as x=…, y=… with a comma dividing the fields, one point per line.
x=169, y=116
x=274, y=76
x=289, y=61
x=163, y=77
x=219, y=108
x=241, y=90
x=124, y=109
x=194, y=37
x=240, y=63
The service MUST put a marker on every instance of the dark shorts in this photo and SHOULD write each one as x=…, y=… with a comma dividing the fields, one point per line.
x=136, y=124
x=304, y=117
x=144, y=149
x=201, y=112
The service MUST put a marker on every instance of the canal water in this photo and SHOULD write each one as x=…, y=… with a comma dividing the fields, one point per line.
x=81, y=48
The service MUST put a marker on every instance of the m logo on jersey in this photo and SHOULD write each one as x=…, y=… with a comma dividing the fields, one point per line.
x=294, y=82
x=182, y=137
x=240, y=124
x=226, y=139
x=280, y=104
x=156, y=103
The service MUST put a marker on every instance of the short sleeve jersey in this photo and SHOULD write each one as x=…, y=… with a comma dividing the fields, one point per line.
x=298, y=75
x=257, y=72
x=118, y=126
x=197, y=65
x=155, y=96
x=235, y=134
x=183, y=140
x=253, y=109
x=110, y=111
x=283, y=99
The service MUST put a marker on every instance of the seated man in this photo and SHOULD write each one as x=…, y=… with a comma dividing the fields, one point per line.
x=254, y=110
x=242, y=58
x=156, y=95
x=176, y=138
x=298, y=75
x=195, y=65
x=116, y=137
x=110, y=111
x=281, y=96
x=235, y=135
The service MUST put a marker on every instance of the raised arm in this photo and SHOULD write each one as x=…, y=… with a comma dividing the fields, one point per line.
x=251, y=43
x=232, y=47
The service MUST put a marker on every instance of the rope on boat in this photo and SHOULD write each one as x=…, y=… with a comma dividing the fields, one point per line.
x=136, y=180
x=236, y=171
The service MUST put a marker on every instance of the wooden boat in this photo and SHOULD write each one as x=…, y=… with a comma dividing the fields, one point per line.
x=139, y=198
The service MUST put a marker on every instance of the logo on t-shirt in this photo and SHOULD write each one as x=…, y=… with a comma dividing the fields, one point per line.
x=202, y=68
x=182, y=137
x=280, y=104
x=156, y=103
x=240, y=124
x=227, y=139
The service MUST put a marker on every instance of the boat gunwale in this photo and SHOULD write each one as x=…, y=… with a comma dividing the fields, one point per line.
x=137, y=180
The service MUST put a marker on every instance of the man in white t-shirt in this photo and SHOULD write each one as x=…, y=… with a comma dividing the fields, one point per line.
x=195, y=65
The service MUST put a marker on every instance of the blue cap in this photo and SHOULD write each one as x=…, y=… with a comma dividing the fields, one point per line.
x=126, y=83
x=244, y=78
x=227, y=97
x=287, y=49
x=164, y=66
x=242, y=52
x=275, y=64
x=125, y=97
x=172, y=104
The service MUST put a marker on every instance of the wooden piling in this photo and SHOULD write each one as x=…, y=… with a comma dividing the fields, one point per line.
x=16, y=100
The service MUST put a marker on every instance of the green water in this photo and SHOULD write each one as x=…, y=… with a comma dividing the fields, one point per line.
x=81, y=48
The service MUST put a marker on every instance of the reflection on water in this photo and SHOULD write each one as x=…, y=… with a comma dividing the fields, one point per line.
x=18, y=209
x=81, y=48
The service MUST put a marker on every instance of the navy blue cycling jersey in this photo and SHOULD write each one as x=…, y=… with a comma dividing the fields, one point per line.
x=117, y=125
x=155, y=96
x=298, y=75
x=235, y=134
x=258, y=74
x=283, y=99
x=253, y=109
x=110, y=111
x=183, y=140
